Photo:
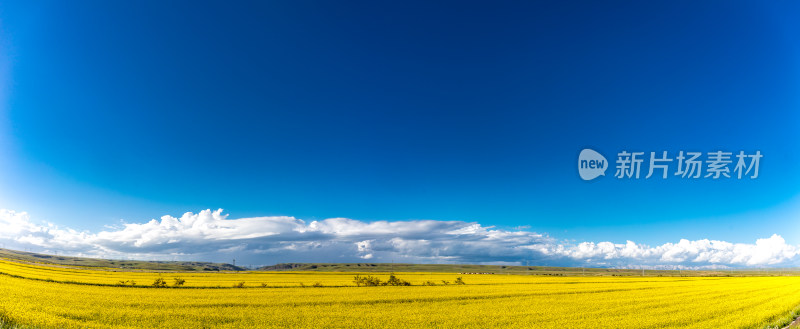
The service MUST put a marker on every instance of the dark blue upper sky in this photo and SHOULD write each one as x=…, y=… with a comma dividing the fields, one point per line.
x=404, y=110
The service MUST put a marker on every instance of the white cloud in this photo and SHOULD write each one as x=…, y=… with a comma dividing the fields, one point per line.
x=769, y=251
x=211, y=235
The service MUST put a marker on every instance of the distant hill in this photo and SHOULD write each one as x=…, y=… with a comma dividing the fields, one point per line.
x=185, y=266
x=522, y=270
x=449, y=268
x=30, y=257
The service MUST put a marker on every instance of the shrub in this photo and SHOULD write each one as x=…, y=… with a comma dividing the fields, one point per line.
x=445, y=282
x=179, y=282
x=394, y=281
x=368, y=281
x=357, y=279
x=459, y=280
x=317, y=285
x=429, y=283
x=160, y=283
x=239, y=285
x=371, y=281
x=263, y=285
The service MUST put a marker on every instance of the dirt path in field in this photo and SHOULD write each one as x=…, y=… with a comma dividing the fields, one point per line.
x=794, y=324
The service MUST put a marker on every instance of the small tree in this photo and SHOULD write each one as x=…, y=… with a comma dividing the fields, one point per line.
x=394, y=281
x=160, y=283
x=179, y=282
x=358, y=280
x=239, y=285
x=368, y=281
x=459, y=280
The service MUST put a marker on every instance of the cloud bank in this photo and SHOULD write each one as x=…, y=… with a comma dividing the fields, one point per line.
x=212, y=236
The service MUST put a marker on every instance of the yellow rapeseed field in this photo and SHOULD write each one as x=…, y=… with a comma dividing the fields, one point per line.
x=28, y=299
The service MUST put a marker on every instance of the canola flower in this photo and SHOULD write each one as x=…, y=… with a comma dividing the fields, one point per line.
x=485, y=301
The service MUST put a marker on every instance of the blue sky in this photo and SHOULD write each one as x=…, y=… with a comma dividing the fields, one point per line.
x=447, y=111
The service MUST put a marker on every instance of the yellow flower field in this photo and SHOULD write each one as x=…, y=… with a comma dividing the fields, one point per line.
x=486, y=301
